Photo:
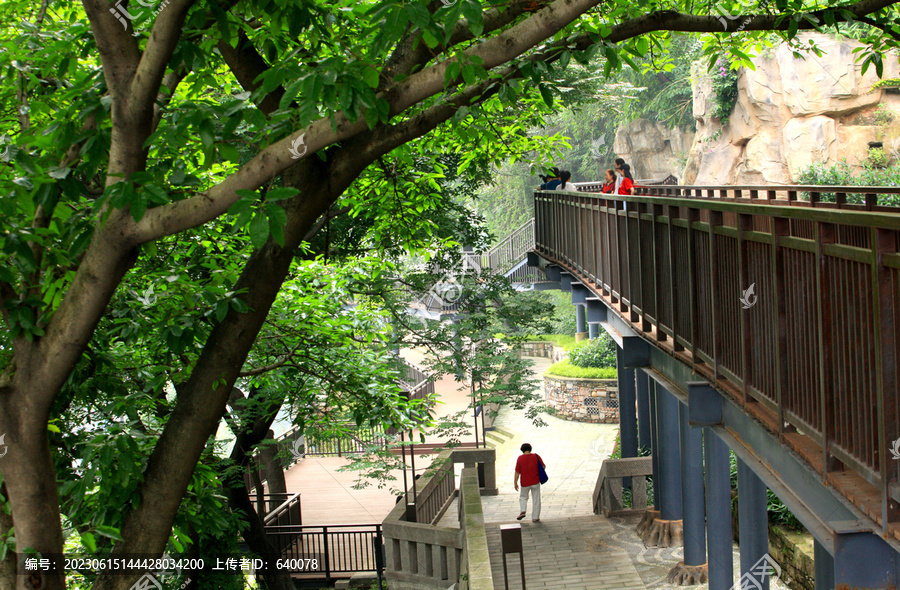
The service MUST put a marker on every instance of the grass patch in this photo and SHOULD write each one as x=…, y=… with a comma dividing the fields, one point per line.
x=566, y=369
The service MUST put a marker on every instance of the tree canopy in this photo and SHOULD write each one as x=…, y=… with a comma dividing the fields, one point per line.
x=173, y=170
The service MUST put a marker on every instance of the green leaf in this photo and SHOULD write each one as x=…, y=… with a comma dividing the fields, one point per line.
x=138, y=206
x=546, y=94
x=793, y=26
x=291, y=92
x=229, y=152
x=277, y=221
x=207, y=133
x=177, y=177
x=419, y=15
x=452, y=73
x=221, y=310
x=259, y=230
x=108, y=531
x=89, y=542
x=370, y=76
x=430, y=40
x=281, y=193
x=471, y=10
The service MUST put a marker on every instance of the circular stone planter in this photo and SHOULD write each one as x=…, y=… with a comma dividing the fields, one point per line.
x=585, y=400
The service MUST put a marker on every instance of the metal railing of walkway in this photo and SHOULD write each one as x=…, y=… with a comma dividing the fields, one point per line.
x=790, y=306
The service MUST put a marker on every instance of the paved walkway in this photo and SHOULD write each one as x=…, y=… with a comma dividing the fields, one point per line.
x=570, y=547
x=564, y=549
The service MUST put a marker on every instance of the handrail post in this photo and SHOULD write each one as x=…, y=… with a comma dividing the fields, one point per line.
x=825, y=234
x=327, y=553
x=745, y=224
x=780, y=229
x=885, y=330
x=715, y=220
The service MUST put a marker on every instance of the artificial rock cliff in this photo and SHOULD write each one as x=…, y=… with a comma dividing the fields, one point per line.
x=790, y=113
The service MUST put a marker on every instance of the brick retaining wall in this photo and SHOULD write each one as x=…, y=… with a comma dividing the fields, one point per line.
x=584, y=400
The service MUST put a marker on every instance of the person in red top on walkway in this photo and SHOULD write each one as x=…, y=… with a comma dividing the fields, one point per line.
x=624, y=180
x=610, y=185
x=527, y=469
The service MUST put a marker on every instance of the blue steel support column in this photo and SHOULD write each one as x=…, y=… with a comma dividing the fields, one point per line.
x=692, y=491
x=824, y=564
x=593, y=331
x=627, y=416
x=718, y=512
x=753, y=525
x=669, y=485
x=581, y=327
x=654, y=442
x=642, y=381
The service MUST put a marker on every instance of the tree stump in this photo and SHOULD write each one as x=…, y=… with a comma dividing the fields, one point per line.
x=688, y=575
x=664, y=533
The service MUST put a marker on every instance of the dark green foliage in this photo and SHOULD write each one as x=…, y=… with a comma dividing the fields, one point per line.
x=597, y=353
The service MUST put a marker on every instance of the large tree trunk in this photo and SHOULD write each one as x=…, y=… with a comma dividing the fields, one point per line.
x=30, y=481
x=8, y=565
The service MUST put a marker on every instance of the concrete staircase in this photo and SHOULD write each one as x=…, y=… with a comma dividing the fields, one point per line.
x=496, y=436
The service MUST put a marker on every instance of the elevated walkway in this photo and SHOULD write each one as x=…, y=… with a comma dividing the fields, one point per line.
x=763, y=320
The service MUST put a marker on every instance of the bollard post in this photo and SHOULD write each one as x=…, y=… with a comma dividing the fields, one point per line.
x=511, y=542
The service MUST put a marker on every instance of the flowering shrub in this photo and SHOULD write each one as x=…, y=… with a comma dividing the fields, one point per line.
x=724, y=84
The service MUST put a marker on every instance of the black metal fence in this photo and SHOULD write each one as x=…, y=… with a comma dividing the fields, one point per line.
x=339, y=549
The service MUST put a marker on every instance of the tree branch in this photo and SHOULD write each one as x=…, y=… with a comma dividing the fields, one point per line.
x=247, y=64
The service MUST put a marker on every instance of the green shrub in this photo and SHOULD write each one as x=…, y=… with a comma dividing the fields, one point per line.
x=877, y=158
x=842, y=175
x=883, y=116
x=887, y=83
x=596, y=353
x=566, y=369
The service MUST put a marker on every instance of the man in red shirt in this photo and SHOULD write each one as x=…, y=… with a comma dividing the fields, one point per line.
x=527, y=469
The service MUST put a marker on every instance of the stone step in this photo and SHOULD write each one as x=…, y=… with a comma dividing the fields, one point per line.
x=502, y=431
x=497, y=436
x=494, y=440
